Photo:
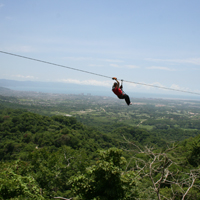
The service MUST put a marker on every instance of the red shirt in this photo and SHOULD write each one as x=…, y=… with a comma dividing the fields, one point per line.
x=117, y=91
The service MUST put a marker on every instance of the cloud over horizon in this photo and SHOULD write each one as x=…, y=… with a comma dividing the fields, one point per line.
x=194, y=61
x=19, y=48
x=87, y=82
x=125, y=66
x=24, y=77
x=161, y=68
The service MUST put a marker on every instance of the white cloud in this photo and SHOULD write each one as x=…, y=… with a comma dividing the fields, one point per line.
x=194, y=61
x=124, y=66
x=158, y=86
x=21, y=49
x=131, y=66
x=94, y=65
x=22, y=76
x=177, y=87
x=197, y=91
x=111, y=60
x=9, y=18
x=160, y=68
x=87, y=82
x=195, y=68
x=152, y=85
x=142, y=86
x=1, y=5
x=184, y=89
x=92, y=59
x=78, y=58
x=129, y=87
x=114, y=65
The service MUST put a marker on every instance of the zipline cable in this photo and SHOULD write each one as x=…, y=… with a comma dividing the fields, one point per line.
x=80, y=70
x=50, y=63
x=161, y=87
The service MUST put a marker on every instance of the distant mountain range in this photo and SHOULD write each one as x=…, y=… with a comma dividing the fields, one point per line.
x=70, y=88
x=14, y=83
x=54, y=87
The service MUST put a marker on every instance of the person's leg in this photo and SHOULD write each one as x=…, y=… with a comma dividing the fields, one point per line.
x=127, y=99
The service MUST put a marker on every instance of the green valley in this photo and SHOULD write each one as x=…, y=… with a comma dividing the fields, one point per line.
x=94, y=147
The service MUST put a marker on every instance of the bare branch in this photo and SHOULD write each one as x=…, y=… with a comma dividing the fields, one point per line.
x=193, y=180
x=132, y=143
x=156, y=166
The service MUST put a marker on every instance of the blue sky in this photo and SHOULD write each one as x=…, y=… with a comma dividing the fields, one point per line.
x=152, y=42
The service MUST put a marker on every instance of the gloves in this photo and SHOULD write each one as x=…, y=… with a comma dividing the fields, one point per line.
x=114, y=78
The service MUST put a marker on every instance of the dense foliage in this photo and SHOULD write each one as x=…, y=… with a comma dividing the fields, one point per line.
x=47, y=156
x=22, y=132
x=106, y=180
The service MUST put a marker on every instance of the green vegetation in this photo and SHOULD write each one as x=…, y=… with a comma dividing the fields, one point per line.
x=98, y=148
x=105, y=180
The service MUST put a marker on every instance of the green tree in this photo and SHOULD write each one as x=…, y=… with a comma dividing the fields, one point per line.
x=194, y=158
x=106, y=180
x=52, y=170
x=14, y=185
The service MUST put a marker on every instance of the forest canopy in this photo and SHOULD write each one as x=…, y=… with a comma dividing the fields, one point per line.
x=43, y=156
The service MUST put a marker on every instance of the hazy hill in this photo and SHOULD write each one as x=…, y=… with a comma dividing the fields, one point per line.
x=54, y=87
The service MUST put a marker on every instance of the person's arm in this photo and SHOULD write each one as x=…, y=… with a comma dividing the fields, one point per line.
x=116, y=81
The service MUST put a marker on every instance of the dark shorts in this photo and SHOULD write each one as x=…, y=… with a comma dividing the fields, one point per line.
x=126, y=97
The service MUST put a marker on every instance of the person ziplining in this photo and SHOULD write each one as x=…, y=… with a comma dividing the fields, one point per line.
x=117, y=89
